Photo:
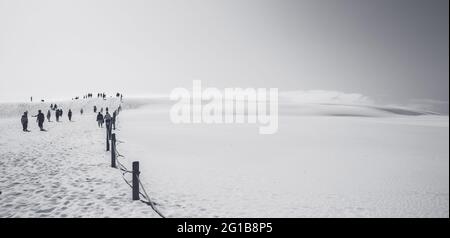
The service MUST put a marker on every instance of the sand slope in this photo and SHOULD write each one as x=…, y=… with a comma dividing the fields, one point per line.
x=64, y=172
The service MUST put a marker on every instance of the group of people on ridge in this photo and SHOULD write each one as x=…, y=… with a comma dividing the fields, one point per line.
x=101, y=119
x=40, y=117
x=109, y=119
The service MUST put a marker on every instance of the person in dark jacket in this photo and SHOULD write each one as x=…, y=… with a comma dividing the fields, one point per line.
x=57, y=115
x=100, y=119
x=40, y=120
x=108, y=120
x=24, y=121
x=95, y=109
x=48, y=115
x=81, y=111
x=69, y=114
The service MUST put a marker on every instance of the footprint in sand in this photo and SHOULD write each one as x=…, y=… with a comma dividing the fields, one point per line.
x=46, y=210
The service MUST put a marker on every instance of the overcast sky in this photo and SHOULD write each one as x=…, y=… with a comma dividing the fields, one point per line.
x=389, y=50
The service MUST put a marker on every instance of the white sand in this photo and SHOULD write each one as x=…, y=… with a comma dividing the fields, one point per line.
x=370, y=163
x=373, y=164
x=64, y=172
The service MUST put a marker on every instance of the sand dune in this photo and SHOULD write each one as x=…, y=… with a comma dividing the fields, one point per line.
x=326, y=160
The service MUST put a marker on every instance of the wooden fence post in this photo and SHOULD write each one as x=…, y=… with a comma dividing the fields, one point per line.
x=108, y=130
x=135, y=180
x=107, y=139
x=113, y=150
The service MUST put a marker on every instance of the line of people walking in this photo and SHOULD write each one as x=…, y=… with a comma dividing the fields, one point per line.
x=108, y=119
x=40, y=117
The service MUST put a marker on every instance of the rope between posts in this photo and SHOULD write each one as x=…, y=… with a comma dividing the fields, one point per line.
x=145, y=194
x=118, y=154
x=149, y=202
x=124, y=170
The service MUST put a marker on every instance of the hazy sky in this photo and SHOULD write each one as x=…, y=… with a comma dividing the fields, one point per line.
x=391, y=50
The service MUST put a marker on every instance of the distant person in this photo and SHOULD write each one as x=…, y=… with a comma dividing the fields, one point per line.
x=69, y=114
x=100, y=119
x=57, y=115
x=81, y=111
x=31, y=99
x=24, y=121
x=48, y=115
x=107, y=117
x=40, y=120
x=108, y=120
x=101, y=110
x=95, y=109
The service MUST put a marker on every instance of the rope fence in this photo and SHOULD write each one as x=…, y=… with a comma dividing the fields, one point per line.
x=135, y=184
